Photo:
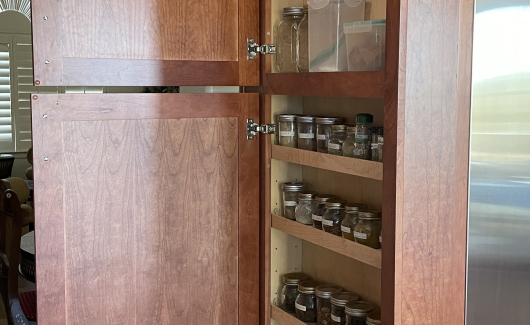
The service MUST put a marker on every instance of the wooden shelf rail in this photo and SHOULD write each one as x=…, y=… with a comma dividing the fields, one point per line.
x=284, y=318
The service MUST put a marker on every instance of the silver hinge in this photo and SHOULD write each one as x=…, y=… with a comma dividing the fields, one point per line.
x=253, y=129
x=253, y=49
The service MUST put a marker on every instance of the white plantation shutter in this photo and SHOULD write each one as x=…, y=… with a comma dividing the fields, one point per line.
x=7, y=143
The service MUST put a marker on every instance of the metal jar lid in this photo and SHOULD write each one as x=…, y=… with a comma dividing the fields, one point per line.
x=354, y=207
x=293, y=187
x=329, y=120
x=306, y=119
x=370, y=214
x=287, y=117
x=294, y=278
x=358, y=308
x=325, y=291
x=342, y=298
x=308, y=286
x=293, y=11
x=307, y=195
x=373, y=318
x=335, y=204
x=351, y=129
x=322, y=198
x=338, y=127
x=364, y=119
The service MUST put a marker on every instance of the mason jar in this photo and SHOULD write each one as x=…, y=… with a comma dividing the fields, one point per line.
x=290, y=290
x=338, y=303
x=356, y=312
x=363, y=136
x=304, y=209
x=368, y=228
x=350, y=219
x=306, y=302
x=380, y=141
x=349, y=143
x=324, y=131
x=333, y=218
x=320, y=209
x=287, y=130
x=336, y=140
x=307, y=130
x=286, y=41
x=303, y=43
x=290, y=192
x=323, y=294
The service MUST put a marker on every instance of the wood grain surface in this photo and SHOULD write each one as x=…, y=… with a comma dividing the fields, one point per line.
x=283, y=317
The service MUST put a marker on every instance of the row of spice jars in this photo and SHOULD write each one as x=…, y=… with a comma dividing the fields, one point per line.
x=324, y=304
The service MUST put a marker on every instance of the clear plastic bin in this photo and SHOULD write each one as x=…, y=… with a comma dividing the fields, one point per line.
x=366, y=45
x=327, y=42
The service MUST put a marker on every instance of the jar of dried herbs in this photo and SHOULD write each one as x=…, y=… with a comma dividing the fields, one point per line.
x=363, y=136
x=304, y=209
x=356, y=312
x=290, y=192
x=320, y=209
x=350, y=219
x=287, y=130
x=307, y=130
x=306, y=303
x=333, y=218
x=323, y=294
x=338, y=303
x=290, y=290
x=336, y=140
x=381, y=141
x=373, y=318
x=324, y=131
x=368, y=228
x=349, y=143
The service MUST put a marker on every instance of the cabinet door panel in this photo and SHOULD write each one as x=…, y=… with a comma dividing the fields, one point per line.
x=146, y=209
x=145, y=43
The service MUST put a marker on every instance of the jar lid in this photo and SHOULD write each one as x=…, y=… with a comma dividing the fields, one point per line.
x=294, y=278
x=373, y=318
x=329, y=120
x=355, y=207
x=293, y=186
x=364, y=118
x=351, y=129
x=293, y=11
x=358, y=308
x=342, y=298
x=322, y=198
x=306, y=119
x=335, y=204
x=338, y=127
x=307, y=195
x=287, y=117
x=370, y=214
x=325, y=291
x=308, y=286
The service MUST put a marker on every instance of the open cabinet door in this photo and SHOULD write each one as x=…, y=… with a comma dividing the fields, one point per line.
x=144, y=42
x=147, y=209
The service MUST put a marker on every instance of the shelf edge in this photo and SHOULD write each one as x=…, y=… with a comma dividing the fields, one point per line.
x=283, y=317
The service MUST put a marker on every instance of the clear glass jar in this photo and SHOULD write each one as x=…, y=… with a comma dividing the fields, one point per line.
x=333, y=218
x=363, y=136
x=306, y=303
x=350, y=219
x=338, y=135
x=290, y=290
x=303, y=43
x=373, y=318
x=356, y=312
x=304, y=209
x=380, y=148
x=320, y=209
x=338, y=303
x=324, y=131
x=368, y=228
x=290, y=198
x=307, y=130
x=349, y=143
x=323, y=294
x=287, y=130
x=286, y=40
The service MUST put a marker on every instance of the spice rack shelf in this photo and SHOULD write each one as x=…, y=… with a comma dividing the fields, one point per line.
x=360, y=84
x=334, y=243
x=284, y=318
x=345, y=165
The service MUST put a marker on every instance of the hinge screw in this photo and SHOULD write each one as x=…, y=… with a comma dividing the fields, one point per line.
x=45, y=17
x=35, y=97
x=44, y=116
x=46, y=159
x=37, y=82
x=8, y=195
x=46, y=62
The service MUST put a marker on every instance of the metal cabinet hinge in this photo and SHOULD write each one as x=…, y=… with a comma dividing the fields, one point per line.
x=253, y=129
x=253, y=49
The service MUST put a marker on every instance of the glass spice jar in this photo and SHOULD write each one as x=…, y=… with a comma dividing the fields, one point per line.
x=350, y=219
x=324, y=131
x=320, y=209
x=368, y=228
x=307, y=130
x=338, y=135
x=290, y=290
x=286, y=40
x=373, y=318
x=304, y=209
x=306, y=302
x=380, y=141
x=356, y=312
x=363, y=136
x=338, y=303
x=287, y=134
x=290, y=192
x=349, y=144
x=332, y=220
x=302, y=45
x=323, y=294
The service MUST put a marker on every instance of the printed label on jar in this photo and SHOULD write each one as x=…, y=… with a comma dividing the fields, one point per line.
x=317, y=218
x=335, y=318
x=290, y=203
x=360, y=235
x=327, y=223
x=287, y=133
x=361, y=136
x=380, y=239
x=321, y=137
x=283, y=297
x=299, y=307
x=306, y=135
x=345, y=229
x=334, y=146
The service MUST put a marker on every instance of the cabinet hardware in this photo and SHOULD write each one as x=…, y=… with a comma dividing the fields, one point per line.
x=253, y=129
x=253, y=49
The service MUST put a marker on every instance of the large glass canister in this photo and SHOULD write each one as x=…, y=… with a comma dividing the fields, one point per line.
x=287, y=130
x=304, y=209
x=338, y=302
x=324, y=131
x=286, y=40
x=306, y=302
x=349, y=144
x=290, y=290
x=350, y=219
x=336, y=140
x=356, y=312
x=363, y=136
x=368, y=228
x=307, y=130
x=320, y=209
x=303, y=43
x=333, y=218
x=290, y=192
x=323, y=294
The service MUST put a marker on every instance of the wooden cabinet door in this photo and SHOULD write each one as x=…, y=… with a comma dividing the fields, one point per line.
x=147, y=209
x=144, y=42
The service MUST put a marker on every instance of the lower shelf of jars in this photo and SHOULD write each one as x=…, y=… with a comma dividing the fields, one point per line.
x=283, y=317
x=334, y=243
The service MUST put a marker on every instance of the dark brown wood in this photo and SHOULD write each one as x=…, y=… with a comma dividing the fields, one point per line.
x=157, y=221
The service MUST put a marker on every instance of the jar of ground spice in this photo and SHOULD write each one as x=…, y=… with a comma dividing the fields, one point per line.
x=356, y=312
x=290, y=192
x=338, y=304
x=333, y=218
x=323, y=294
x=306, y=303
x=350, y=220
x=368, y=228
x=290, y=290
x=307, y=130
x=320, y=209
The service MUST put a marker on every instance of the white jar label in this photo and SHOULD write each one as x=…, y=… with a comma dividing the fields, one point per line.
x=335, y=318
x=306, y=135
x=287, y=133
x=283, y=297
x=361, y=137
x=345, y=229
x=299, y=307
x=380, y=239
x=290, y=203
x=334, y=146
x=328, y=223
x=317, y=218
x=321, y=137
x=360, y=235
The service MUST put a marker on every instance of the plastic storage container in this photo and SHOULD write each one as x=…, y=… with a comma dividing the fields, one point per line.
x=327, y=42
x=366, y=45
